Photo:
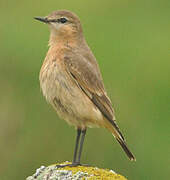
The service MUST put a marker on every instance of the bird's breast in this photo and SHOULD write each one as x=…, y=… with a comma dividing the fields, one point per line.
x=52, y=79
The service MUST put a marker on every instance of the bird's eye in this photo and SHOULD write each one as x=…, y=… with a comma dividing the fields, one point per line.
x=62, y=20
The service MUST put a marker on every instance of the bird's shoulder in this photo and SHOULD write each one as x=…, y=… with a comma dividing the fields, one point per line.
x=84, y=66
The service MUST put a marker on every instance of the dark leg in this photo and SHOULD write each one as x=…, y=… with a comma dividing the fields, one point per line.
x=76, y=146
x=81, y=145
x=75, y=162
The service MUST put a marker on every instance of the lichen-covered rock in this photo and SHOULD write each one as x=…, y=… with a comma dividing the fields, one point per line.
x=74, y=173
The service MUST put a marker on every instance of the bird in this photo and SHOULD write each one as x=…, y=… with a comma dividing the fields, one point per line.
x=71, y=81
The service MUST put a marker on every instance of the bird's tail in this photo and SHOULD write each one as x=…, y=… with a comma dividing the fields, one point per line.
x=119, y=137
x=126, y=149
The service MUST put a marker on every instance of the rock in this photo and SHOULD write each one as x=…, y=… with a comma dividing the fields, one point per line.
x=52, y=172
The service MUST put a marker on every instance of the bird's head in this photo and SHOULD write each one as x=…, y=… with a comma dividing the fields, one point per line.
x=63, y=24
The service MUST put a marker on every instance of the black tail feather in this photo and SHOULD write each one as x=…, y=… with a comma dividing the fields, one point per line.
x=125, y=148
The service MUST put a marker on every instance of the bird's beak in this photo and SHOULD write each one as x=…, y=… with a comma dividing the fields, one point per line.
x=42, y=19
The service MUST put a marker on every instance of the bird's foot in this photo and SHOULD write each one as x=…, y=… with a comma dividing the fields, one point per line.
x=74, y=164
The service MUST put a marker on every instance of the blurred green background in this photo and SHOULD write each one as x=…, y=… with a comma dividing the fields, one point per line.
x=131, y=41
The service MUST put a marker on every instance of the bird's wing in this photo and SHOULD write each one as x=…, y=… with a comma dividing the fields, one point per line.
x=87, y=76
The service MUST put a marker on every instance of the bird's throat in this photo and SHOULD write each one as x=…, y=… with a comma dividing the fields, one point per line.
x=70, y=39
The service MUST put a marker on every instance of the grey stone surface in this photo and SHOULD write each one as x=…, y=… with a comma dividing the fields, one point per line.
x=52, y=173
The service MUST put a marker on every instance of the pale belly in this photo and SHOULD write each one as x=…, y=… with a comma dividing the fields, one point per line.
x=67, y=98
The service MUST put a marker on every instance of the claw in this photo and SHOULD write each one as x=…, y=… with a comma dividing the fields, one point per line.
x=69, y=165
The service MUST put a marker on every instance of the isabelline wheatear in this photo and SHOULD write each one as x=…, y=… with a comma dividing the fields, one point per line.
x=71, y=81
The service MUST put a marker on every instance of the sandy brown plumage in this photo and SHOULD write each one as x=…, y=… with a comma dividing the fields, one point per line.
x=71, y=81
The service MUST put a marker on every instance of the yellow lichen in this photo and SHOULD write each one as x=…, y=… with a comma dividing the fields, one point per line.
x=94, y=173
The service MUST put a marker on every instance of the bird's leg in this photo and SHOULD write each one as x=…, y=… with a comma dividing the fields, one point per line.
x=74, y=162
x=77, y=145
x=81, y=145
